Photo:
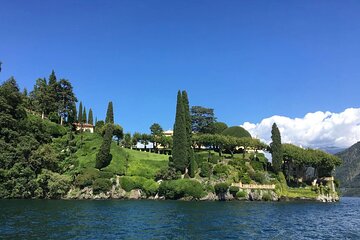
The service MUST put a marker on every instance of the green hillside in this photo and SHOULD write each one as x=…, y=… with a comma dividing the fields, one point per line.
x=143, y=164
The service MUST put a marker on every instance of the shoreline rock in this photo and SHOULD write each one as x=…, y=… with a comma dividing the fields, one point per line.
x=116, y=192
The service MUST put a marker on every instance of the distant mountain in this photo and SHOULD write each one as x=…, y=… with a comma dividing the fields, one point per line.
x=332, y=150
x=349, y=172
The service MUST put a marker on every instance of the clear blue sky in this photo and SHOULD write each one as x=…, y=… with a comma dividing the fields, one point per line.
x=246, y=59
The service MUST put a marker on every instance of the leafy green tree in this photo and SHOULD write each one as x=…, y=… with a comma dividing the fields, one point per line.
x=166, y=141
x=66, y=99
x=145, y=139
x=179, y=151
x=109, y=114
x=276, y=148
x=202, y=119
x=39, y=97
x=136, y=138
x=127, y=141
x=118, y=133
x=80, y=118
x=156, y=134
x=104, y=157
x=90, y=118
x=219, y=127
x=44, y=157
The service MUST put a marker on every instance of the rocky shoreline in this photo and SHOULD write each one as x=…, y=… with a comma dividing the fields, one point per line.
x=87, y=193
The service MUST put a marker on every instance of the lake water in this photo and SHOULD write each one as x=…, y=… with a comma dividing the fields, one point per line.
x=145, y=219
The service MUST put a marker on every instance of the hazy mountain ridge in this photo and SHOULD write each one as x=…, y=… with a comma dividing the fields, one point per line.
x=349, y=172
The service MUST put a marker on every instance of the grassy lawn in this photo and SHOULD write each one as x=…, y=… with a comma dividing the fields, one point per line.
x=140, y=163
x=300, y=192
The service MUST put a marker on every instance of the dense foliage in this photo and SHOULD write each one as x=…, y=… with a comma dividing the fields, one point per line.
x=28, y=163
x=176, y=189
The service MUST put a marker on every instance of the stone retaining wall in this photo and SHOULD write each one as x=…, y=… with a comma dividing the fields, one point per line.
x=254, y=186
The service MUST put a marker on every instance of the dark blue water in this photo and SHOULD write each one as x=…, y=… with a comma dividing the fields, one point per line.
x=119, y=219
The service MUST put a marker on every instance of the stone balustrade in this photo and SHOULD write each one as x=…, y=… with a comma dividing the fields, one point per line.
x=254, y=186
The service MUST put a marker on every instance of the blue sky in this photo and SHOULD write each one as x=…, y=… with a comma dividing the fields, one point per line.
x=248, y=60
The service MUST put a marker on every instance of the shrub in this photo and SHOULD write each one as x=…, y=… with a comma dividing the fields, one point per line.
x=86, y=177
x=221, y=188
x=214, y=159
x=233, y=190
x=129, y=183
x=200, y=158
x=244, y=178
x=257, y=166
x=266, y=196
x=175, y=189
x=206, y=169
x=258, y=177
x=209, y=188
x=167, y=174
x=104, y=174
x=148, y=186
x=240, y=194
x=101, y=185
x=236, y=131
x=221, y=169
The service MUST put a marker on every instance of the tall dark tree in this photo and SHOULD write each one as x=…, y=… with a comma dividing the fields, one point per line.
x=276, y=148
x=80, y=118
x=66, y=99
x=104, y=157
x=179, y=151
x=109, y=114
x=90, y=117
x=84, y=118
x=202, y=119
x=190, y=152
x=39, y=97
x=72, y=118
x=53, y=93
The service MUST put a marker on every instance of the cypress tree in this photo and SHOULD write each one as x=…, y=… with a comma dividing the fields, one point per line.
x=104, y=157
x=84, y=120
x=80, y=113
x=109, y=114
x=52, y=93
x=180, y=143
x=276, y=148
x=190, y=153
x=90, y=118
x=72, y=118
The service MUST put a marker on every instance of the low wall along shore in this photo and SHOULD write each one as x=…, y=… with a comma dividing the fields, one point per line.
x=254, y=186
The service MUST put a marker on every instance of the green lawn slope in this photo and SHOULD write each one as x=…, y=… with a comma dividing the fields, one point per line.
x=143, y=164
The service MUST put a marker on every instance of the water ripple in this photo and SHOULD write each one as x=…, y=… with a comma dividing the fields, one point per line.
x=120, y=219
